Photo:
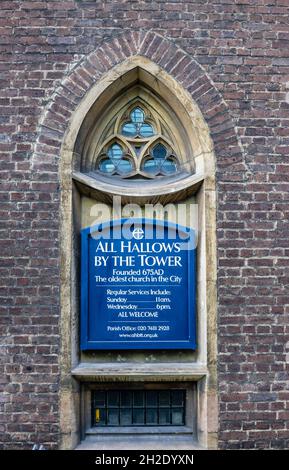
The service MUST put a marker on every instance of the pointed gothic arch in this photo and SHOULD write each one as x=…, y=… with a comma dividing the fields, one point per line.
x=71, y=112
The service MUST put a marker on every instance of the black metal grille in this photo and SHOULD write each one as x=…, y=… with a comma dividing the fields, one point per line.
x=138, y=408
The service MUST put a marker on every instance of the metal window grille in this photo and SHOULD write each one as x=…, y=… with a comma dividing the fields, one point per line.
x=138, y=407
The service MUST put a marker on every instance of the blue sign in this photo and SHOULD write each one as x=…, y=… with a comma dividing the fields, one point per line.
x=138, y=286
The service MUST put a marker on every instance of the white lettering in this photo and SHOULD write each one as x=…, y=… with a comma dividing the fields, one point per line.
x=100, y=260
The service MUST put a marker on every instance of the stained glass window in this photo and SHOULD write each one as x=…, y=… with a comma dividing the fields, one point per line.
x=138, y=147
x=115, y=161
x=160, y=161
x=137, y=126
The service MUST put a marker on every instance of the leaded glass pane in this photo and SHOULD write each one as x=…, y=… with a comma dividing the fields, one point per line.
x=138, y=408
x=138, y=149
x=113, y=417
x=164, y=398
x=152, y=398
x=177, y=416
x=136, y=134
x=106, y=166
x=112, y=399
x=99, y=398
x=164, y=416
x=159, y=151
x=177, y=397
x=138, y=416
x=129, y=129
x=115, y=152
x=138, y=399
x=146, y=130
x=125, y=398
x=124, y=166
x=152, y=416
x=125, y=416
x=151, y=166
x=137, y=115
x=169, y=166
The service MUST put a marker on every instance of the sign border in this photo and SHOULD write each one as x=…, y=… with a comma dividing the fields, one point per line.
x=86, y=344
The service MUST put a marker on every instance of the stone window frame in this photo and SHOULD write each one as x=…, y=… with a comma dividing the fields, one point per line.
x=199, y=182
x=190, y=426
x=63, y=113
x=137, y=84
x=108, y=131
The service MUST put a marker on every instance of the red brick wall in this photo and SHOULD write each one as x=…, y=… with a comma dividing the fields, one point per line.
x=242, y=46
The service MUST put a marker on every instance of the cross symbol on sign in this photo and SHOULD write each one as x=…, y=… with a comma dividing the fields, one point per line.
x=138, y=233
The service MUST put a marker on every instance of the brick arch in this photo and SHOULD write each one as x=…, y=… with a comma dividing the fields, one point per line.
x=174, y=60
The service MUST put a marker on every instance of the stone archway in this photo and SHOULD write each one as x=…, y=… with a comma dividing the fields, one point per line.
x=61, y=121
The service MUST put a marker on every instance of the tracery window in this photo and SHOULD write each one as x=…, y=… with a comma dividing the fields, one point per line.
x=137, y=144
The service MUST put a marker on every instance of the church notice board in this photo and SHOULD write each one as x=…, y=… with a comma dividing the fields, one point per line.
x=138, y=286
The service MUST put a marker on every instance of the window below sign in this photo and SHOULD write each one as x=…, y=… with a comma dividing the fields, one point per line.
x=138, y=407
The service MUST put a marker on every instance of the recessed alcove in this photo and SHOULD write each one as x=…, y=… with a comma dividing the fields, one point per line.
x=190, y=144
x=141, y=81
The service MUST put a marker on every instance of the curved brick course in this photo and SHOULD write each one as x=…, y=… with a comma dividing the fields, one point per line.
x=164, y=53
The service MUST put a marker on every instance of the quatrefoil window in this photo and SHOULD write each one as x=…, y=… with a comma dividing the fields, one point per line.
x=137, y=144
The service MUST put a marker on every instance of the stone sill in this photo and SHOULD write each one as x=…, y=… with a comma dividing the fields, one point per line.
x=144, y=430
x=174, y=189
x=139, y=371
x=139, y=442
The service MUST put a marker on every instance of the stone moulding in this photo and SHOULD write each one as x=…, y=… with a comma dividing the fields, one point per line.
x=60, y=123
x=139, y=372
